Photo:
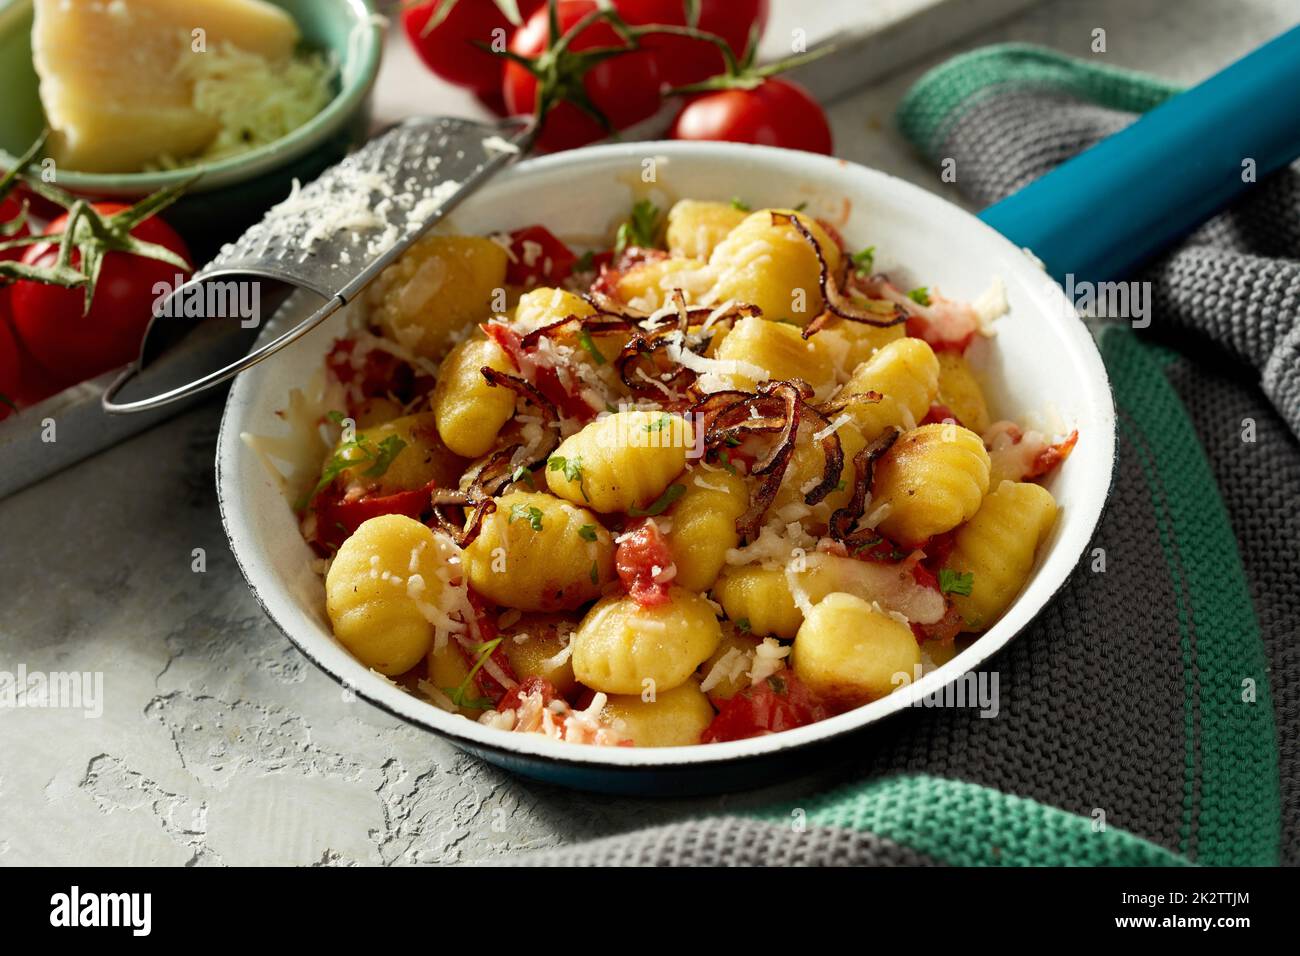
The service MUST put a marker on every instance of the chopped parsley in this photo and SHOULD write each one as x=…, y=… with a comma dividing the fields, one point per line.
x=865, y=261
x=868, y=544
x=521, y=473
x=586, y=262
x=457, y=694
x=956, y=582
x=659, y=424
x=389, y=449
x=802, y=206
x=529, y=513
x=595, y=573
x=660, y=504
x=639, y=230
x=587, y=532
x=739, y=204
x=777, y=683
x=744, y=625
x=354, y=454
x=920, y=295
x=572, y=468
x=584, y=339
x=336, y=416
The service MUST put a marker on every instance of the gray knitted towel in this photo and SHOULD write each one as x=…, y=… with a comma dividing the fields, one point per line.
x=1150, y=715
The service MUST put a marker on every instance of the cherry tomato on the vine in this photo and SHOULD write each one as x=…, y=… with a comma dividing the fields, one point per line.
x=624, y=88
x=448, y=48
x=74, y=346
x=10, y=366
x=683, y=60
x=11, y=211
x=775, y=113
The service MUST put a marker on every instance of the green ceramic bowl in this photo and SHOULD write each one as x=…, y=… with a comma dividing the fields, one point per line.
x=233, y=192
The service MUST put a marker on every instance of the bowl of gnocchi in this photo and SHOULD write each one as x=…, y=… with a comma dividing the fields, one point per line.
x=659, y=467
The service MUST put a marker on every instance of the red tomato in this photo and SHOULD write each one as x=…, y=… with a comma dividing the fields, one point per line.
x=337, y=518
x=683, y=60
x=642, y=556
x=10, y=210
x=942, y=630
x=624, y=88
x=448, y=49
x=938, y=336
x=381, y=374
x=939, y=415
x=781, y=702
x=513, y=699
x=538, y=257
x=545, y=378
x=10, y=367
x=1053, y=455
x=73, y=346
x=777, y=113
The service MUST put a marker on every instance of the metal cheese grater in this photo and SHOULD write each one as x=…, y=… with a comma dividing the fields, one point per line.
x=395, y=188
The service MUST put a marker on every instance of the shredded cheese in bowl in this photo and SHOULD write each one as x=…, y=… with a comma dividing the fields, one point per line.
x=256, y=101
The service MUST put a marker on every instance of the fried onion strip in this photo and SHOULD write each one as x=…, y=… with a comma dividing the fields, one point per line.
x=840, y=527
x=836, y=302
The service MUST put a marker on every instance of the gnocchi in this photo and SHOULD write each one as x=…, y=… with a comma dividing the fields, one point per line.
x=703, y=525
x=931, y=480
x=996, y=549
x=440, y=287
x=675, y=718
x=674, y=509
x=762, y=350
x=378, y=589
x=470, y=410
x=695, y=228
x=770, y=266
x=622, y=462
x=536, y=552
x=849, y=652
x=410, y=449
x=905, y=374
x=623, y=648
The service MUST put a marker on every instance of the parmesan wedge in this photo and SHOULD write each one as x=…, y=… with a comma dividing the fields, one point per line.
x=112, y=81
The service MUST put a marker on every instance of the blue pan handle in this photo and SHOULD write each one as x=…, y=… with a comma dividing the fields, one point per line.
x=1105, y=212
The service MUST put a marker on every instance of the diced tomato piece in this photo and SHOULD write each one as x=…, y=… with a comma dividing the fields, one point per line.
x=881, y=551
x=509, y=340
x=937, y=338
x=940, y=415
x=537, y=257
x=923, y=576
x=1052, y=455
x=781, y=702
x=337, y=518
x=611, y=270
x=944, y=629
x=485, y=618
x=642, y=556
x=381, y=374
x=545, y=379
x=513, y=699
x=484, y=614
x=939, y=547
x=569, y=402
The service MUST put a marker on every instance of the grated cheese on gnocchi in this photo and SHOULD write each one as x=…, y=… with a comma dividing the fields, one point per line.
x=661, y=499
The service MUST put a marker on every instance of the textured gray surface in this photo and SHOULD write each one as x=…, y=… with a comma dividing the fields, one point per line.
x=218, y=742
